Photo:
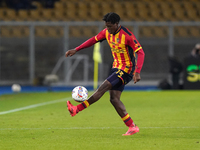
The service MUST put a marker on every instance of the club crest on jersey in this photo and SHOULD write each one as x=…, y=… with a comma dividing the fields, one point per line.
x=117, y=40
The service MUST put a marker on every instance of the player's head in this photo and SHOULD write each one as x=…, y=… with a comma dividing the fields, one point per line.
x=112, y=18
x=112, y=21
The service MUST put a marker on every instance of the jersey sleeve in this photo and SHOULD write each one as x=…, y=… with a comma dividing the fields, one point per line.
x=135, y=45
x=140, y=60
x=98, y=38
x=101, y=36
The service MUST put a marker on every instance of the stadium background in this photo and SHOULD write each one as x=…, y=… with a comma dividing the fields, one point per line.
x=34, y=40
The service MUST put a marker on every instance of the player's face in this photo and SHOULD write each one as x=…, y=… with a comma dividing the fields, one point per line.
x=112, y=28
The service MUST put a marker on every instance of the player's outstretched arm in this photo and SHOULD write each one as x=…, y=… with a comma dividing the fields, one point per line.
x=70, y=52
x=84, y=45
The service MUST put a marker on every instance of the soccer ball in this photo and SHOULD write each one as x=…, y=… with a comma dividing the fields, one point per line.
x=16, y=88
x=79, y=93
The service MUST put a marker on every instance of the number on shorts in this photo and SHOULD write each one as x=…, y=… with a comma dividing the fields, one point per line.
x=120, y=73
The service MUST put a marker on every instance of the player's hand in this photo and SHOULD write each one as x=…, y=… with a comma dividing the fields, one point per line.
x=70, y=52
x=136, y=77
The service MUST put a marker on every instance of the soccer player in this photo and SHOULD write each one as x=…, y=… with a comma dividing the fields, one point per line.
x=123, y=46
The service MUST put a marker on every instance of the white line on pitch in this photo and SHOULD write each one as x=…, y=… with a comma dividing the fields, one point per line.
x=34, y=106
x=88, y=128
x=37, y=105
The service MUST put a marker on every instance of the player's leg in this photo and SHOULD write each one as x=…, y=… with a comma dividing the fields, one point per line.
x=115, y=101
x=105, y=86
x=118, y=80
x=121, y=110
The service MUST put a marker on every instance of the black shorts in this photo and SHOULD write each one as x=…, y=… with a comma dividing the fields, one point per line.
x=118, y=78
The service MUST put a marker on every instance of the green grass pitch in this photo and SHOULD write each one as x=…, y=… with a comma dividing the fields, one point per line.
x=40, y=121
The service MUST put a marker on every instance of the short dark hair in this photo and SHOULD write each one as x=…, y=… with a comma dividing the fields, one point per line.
x=111, y=17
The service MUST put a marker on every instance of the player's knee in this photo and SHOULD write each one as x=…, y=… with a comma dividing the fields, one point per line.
x=114, y=100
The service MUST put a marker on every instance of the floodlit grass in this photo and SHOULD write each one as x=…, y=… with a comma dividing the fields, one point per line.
x=167, y=120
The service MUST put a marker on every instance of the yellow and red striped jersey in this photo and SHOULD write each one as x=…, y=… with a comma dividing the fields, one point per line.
x=123, y=44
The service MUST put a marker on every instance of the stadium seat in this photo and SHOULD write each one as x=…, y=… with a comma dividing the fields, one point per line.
x=95, y=11
x=193, y=15
x=82, y=5
x=71, y=5
x=166, y=11
x=54, y=31
x=82, y=12
x=155, y=15
x=144, y=15
x=23, y=15
x=25, y=31
x=168, y=15
x=131, y=13
x=47, y=14
x=141, y=6
x=60, y=15
x=179, y=11
x=59, y=5
x=88, y=31
x=71, y=11
x=119, y=9
x=83, y=15
x=10, y=15
x=72, y=16
x=142, y=11
x=197, y=5
x=180, y=15
x=181, y=31
x=106, y=7
x=5, y=31
x=60, y=31
x=152, y=5
x=2, y=14
x=75, y=31
x=194, y=31
x=35, y=15
x=41, y=31
x=188, y=5
x=176, y=5
x=17, y=31
x=161, y=31
x=104, y=1
x=145, y=31
x=129, y=5
x=154, y=11
x=164, y=5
